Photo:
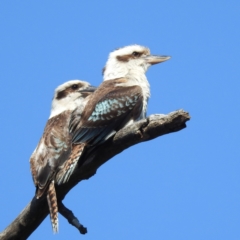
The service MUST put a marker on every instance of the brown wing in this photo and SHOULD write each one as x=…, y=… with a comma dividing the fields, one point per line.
x=109, y=109
x=51, y=152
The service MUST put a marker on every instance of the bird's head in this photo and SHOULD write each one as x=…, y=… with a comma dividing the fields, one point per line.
x=133, y=58
x=70, y=95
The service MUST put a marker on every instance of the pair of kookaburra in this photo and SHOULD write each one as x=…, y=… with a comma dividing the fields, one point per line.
x=83, y=116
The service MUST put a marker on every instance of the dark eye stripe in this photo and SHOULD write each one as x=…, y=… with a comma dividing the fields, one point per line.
x=136, y=54
x=74, y=86
x=127, y=57
x=61, y=94
x=65, y=92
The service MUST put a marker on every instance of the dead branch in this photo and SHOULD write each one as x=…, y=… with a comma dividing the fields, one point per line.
x=36, y=211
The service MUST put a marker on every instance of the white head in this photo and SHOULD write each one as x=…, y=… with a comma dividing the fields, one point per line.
x=68, y=96
x=128, y=60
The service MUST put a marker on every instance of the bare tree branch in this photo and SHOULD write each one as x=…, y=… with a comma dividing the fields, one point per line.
x=36, y=211
x=68, y=214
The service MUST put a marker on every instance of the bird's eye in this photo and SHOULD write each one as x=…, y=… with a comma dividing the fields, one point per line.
x=136, y=54
x=74, y=86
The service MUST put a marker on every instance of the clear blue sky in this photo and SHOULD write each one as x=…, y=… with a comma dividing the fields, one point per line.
x=184, y=185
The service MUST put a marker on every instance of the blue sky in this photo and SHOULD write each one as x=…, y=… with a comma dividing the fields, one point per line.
x=184, y=185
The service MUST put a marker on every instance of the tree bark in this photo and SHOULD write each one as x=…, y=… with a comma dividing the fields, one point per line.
x=147, y=129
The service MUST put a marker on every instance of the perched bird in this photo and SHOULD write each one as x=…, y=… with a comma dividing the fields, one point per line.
x=49, y=159
x=120, y=100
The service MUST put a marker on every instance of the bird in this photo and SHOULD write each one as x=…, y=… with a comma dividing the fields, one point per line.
x=120, y=100
x=49, y=159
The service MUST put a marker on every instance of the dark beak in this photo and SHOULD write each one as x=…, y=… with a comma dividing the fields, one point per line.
x=88, y=89
x=155, y=59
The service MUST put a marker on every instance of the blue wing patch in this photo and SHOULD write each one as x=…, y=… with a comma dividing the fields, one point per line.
x=107, y=117
x=119, y=105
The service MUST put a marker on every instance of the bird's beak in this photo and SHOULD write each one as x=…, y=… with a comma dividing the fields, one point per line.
x=155, y=59
x=89, y=89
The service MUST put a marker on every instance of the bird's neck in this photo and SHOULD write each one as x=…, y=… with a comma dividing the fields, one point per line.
x=59, y=106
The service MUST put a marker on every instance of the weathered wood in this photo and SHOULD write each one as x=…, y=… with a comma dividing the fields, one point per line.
x=147, y=129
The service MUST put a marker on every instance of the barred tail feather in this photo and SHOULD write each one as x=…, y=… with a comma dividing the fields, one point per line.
x=69, y=166
x=53, y=206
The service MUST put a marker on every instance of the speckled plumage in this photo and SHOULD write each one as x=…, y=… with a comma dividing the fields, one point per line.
x=120, y=99
x=109, y=109
x=51, y=156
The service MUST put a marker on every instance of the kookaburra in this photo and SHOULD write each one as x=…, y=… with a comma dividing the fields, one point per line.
x=120, y=100
x=49, y=160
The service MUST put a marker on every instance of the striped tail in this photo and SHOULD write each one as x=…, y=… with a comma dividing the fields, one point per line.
x=64, y=174
x=53, y=206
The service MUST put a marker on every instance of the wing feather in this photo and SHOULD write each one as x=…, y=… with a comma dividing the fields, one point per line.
x=108, y=110
x=51, y=152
